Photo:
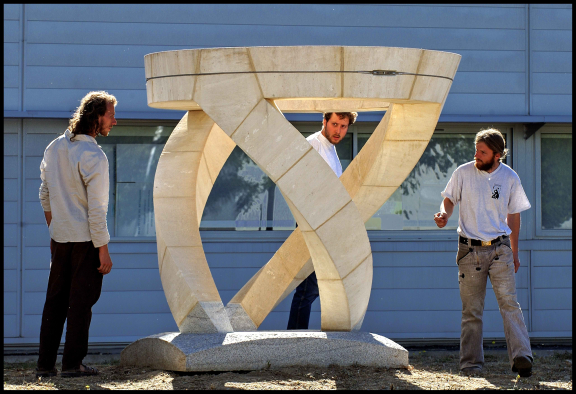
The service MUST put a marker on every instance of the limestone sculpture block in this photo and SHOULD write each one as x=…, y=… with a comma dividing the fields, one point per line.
x=236, y=96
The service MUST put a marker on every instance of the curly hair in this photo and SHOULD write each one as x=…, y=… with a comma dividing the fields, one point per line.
x=86, y=118
x=350, y=115
x=494, y=139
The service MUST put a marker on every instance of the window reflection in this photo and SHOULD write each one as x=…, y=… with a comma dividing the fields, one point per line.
x=413, y=205
x=556, y=181
x=133, y=153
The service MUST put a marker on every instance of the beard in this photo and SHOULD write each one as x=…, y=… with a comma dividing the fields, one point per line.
x=484, y=166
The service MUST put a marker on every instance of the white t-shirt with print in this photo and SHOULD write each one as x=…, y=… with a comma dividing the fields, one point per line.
x=327, y=150
x=485, y=200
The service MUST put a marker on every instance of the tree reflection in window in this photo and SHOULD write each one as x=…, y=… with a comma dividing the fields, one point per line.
x=556, y=181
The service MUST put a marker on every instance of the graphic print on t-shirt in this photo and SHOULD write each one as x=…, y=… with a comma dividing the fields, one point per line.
x=496, y=191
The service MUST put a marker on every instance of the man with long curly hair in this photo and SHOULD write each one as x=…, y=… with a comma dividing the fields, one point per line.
x=74, y=196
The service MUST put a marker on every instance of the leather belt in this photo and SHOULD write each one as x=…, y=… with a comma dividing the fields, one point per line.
x=477, y=242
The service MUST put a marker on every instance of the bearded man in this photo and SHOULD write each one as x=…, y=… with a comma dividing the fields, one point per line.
x=491, y=198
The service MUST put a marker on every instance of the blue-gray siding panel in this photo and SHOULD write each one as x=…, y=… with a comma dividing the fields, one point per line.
x=486, y=104
x=489, y=82
x=11, y=326
x=253, y=35
x=552, y=320
x=553, y=19
x=12, y=54
x=11, y=257
x=11, y=76
x=37, y=143
x=11, y=31
x=548, y=104
x=553, y=62
x=37, y=257
x=491, y=61
x=10, y=144
x=11, y=235
x=36, y=235
x=552, y=277
x=11, y=11
x=552, y=258
x=11, y=166
x=11, y=99
x=552, y=83
x=33, y=212
x=10, y=280
x=79, y=55
x=69, y=99
x=551, y=40
x=32, y=166
x=10, y=302
x=10, y=189
x=552, y=299
x=106, y=78
x=11, y=213
x=496, y=16
x=31, y=192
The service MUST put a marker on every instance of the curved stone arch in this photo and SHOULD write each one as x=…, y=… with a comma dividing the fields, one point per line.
x=245, y=104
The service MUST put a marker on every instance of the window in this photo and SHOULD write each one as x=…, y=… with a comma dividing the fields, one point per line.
x=554, y=180
x=133, y=153
x=244, y=198
x=413, y=205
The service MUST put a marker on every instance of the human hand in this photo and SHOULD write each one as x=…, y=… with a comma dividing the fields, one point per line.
x=105, y=261
x=441, y=219
x=516, y=263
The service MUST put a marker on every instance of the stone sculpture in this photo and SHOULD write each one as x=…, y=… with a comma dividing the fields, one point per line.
x=236, y=96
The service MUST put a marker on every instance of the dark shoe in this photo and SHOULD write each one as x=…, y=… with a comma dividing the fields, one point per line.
x=82, y=371
x=46, y=373
x=471, y=371
x=522, y=365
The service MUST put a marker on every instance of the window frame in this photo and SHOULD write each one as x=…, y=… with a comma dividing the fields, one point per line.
x=550, y=128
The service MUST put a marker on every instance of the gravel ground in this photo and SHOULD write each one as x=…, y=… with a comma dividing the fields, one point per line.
x=432, y=370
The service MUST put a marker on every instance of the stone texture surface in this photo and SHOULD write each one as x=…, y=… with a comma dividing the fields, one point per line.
x=266, y=349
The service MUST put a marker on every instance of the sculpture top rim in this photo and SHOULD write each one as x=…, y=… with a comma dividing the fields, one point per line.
x=176, y=79
x=304, y=46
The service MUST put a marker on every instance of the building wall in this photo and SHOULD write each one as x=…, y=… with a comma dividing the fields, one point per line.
x=516, y=65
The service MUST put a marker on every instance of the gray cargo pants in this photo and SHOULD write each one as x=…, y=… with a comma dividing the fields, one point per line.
x=475, y=265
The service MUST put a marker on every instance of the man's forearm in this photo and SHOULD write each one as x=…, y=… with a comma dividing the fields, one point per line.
x=447, y=207
x=514, y=224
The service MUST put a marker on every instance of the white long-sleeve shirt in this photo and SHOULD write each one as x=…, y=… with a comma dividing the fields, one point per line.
x=327, y=150
x=75, y=189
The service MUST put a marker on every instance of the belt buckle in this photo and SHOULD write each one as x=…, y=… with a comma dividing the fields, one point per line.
x=486, y=243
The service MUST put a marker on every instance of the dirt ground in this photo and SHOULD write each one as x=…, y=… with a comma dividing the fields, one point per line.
x=432, y=370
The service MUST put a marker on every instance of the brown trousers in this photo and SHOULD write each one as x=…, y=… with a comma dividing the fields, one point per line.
x=74, y=287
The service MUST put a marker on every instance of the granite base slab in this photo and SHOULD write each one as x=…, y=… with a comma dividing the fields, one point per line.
x=249, y=351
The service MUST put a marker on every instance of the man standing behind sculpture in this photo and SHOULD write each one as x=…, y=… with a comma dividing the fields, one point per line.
x=74, y=196
x=491, y=198
x=334, y=128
